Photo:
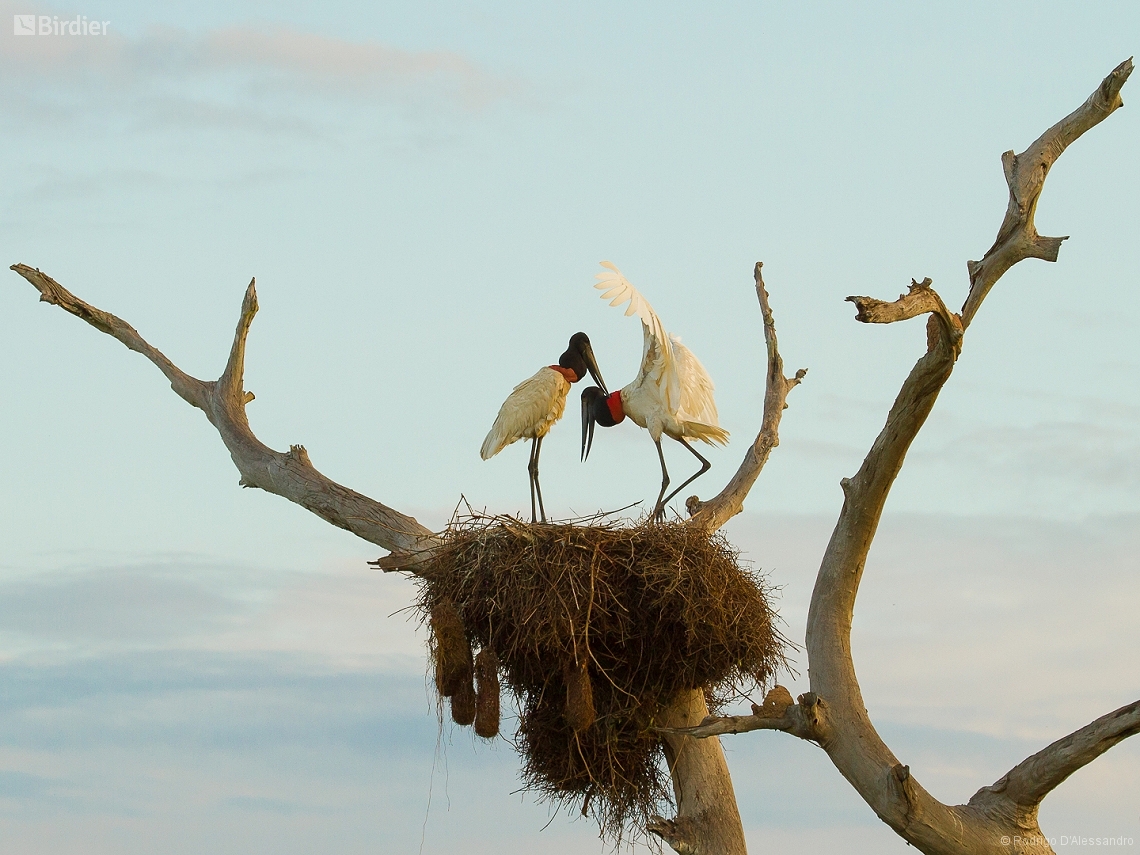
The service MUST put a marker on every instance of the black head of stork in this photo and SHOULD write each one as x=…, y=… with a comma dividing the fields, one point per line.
x=579, y=358
x=601, y=408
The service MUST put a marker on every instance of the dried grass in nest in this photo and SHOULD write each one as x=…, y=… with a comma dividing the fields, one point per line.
x=595, y=628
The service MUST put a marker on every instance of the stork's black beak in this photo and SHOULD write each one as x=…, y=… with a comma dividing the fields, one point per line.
x=592, y=366
x=588, y=397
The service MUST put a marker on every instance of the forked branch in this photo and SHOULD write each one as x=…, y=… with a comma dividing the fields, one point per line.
x=730, y=501
x=853, y=744
x=288, y=474
x=1025, y=175
x=832, y=713
x=1000, y=816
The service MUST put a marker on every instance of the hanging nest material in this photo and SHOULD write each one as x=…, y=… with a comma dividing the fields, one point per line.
x=487, y=694
x=593, y=628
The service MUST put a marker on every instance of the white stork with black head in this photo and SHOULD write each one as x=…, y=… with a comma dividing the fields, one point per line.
x=672, y=394
x=536, y=404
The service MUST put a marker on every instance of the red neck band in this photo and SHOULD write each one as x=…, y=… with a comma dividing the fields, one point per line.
x=569, y=373
x=613, y=402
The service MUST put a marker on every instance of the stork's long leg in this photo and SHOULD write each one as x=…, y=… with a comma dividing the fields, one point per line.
x=535, y=489
x=659, y=507
x=530, y=478
x=705, y=466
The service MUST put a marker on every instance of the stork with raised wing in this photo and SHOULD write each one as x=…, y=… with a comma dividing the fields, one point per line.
x=672, y=394
x=536, y=404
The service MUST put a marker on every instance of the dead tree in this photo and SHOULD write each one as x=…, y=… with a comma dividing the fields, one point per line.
x=1000, y=818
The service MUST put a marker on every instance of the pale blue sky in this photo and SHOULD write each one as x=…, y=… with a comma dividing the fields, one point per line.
x=423, y=192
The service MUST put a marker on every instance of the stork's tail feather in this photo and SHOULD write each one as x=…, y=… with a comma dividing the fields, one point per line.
x=492, y=445
x=712, y=434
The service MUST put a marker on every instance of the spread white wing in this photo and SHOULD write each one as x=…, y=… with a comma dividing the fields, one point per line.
x=672, y=383
x=658, y=360
x=697, y=403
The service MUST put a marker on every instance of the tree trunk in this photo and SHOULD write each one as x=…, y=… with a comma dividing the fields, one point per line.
x=708, y=820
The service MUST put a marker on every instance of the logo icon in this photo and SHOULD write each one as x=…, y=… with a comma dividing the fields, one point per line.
x=24, y=25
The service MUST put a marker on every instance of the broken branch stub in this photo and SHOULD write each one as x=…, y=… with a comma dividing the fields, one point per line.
x=730, y=501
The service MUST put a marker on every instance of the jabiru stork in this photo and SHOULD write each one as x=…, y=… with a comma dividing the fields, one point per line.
x=672, y=394
x=536, y=404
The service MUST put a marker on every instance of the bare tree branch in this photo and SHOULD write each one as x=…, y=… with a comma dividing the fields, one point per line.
x=708, y=820
x=852, y=742
x=1025, y=174
x=287, y=474
x=193, y=391
x=998, y=817
x=730, y=501
x=832, y=714
x=1027, y=783
x=807, y=719
x=920, y=299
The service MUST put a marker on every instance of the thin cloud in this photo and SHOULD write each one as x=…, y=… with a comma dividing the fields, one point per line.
x=358, y=65
x=271, y=80
x=978, y=641
x=133, y=605
x=192, y=700
x=1090, y=455
x=343, y=616
x=261, y=804
x=303, y=56
x=23, y=785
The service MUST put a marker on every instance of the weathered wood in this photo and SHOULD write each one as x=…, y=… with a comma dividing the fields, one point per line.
x=708, y=820
x=730, y=501
x=288, y=474
x=1027, y=783
x=853, y=744
x=1000, y=819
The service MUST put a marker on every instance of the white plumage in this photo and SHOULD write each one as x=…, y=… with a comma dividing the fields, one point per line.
x=529, y=411
x=672, y=393
x=536, y=404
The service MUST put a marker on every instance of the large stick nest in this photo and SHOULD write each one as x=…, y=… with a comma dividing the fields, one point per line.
x=594, y=629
